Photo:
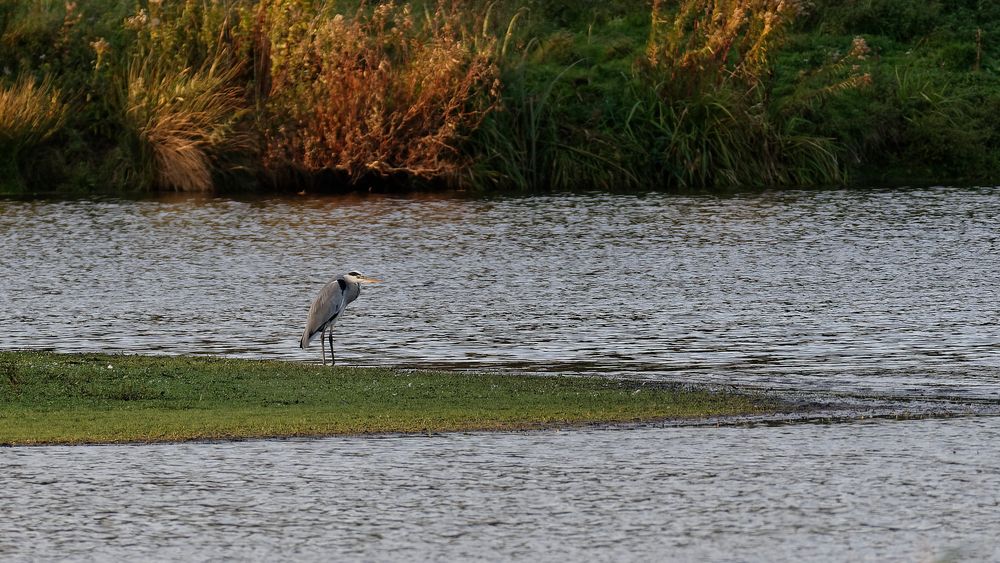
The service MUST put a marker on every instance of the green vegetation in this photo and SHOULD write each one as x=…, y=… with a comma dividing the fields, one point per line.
x=48, y=398
x=511, y=95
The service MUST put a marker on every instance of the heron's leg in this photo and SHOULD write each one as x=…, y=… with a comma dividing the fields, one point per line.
x=322, y=345
x=332, y=360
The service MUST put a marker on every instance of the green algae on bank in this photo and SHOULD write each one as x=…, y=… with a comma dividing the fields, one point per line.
x=49, y=398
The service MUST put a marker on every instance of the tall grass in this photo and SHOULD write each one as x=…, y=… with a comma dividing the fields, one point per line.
x=30, y=113
x=521, y=95
x=555, y=128
x=180, y=97
x=703, y=103
x=698, y=45
x=930, y=126
x=181, y=122
x=527, y=144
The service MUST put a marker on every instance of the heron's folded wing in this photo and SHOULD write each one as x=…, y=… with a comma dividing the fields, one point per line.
x=326, y=307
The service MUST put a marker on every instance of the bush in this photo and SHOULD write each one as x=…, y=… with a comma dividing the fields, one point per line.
x=901, y=20
x=380, y=92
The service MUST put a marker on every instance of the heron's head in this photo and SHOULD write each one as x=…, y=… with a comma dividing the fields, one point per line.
x=361, y=278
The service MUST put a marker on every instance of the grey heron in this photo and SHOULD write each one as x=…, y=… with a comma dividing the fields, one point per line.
x=328, y=306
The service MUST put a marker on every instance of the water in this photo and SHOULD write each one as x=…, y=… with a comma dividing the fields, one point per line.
x=877, y=297
x=848, y=492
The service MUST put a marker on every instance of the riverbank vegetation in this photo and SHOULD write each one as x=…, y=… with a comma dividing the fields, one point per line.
x=506, y=95
x=48, y=398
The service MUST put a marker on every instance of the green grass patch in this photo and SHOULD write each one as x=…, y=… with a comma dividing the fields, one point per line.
x=48, y=398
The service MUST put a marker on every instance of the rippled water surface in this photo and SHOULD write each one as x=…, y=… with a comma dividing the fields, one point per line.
x=864, y=293
x=876, y=491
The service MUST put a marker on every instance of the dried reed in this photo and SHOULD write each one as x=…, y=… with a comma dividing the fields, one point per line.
x=30, y=113
x=182, y=98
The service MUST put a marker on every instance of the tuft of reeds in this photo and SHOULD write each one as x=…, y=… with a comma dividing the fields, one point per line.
x=701, y=44
x=181, y=120
x=380, y=92
x=30, y=112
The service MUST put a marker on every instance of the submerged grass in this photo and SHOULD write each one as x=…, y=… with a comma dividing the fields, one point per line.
x=48, y=398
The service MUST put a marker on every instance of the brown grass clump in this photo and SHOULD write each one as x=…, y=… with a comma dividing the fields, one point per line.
x=183, y=120
x=380, y=92
x=30, y=113
x=182, y=94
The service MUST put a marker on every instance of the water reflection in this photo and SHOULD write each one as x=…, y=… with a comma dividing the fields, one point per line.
x=849, y=291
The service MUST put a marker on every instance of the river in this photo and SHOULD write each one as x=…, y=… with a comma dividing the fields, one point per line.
x=886, y=298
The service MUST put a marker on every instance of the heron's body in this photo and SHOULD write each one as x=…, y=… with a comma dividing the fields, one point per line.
x=329, y=305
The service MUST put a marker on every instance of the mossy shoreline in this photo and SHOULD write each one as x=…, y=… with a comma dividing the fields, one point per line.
x=49, y=398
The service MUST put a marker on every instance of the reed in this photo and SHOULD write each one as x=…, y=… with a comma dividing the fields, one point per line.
x=931, y=126
x=181, y=121
x=555, y=127
x=31, y=112
x=529, y=145
x=521, y=96
x=703, y=44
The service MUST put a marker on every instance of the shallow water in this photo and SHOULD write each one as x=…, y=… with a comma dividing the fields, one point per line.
x=884, y=300
x=872, y=491
x=859, y=292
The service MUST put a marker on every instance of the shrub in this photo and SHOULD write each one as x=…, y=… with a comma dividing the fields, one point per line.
x=377, y=93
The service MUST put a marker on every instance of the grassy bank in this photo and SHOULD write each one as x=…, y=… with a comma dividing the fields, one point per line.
x=48, y=398
x=507, y=95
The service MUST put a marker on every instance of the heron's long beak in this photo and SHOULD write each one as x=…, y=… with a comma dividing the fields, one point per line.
x=368, y=279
